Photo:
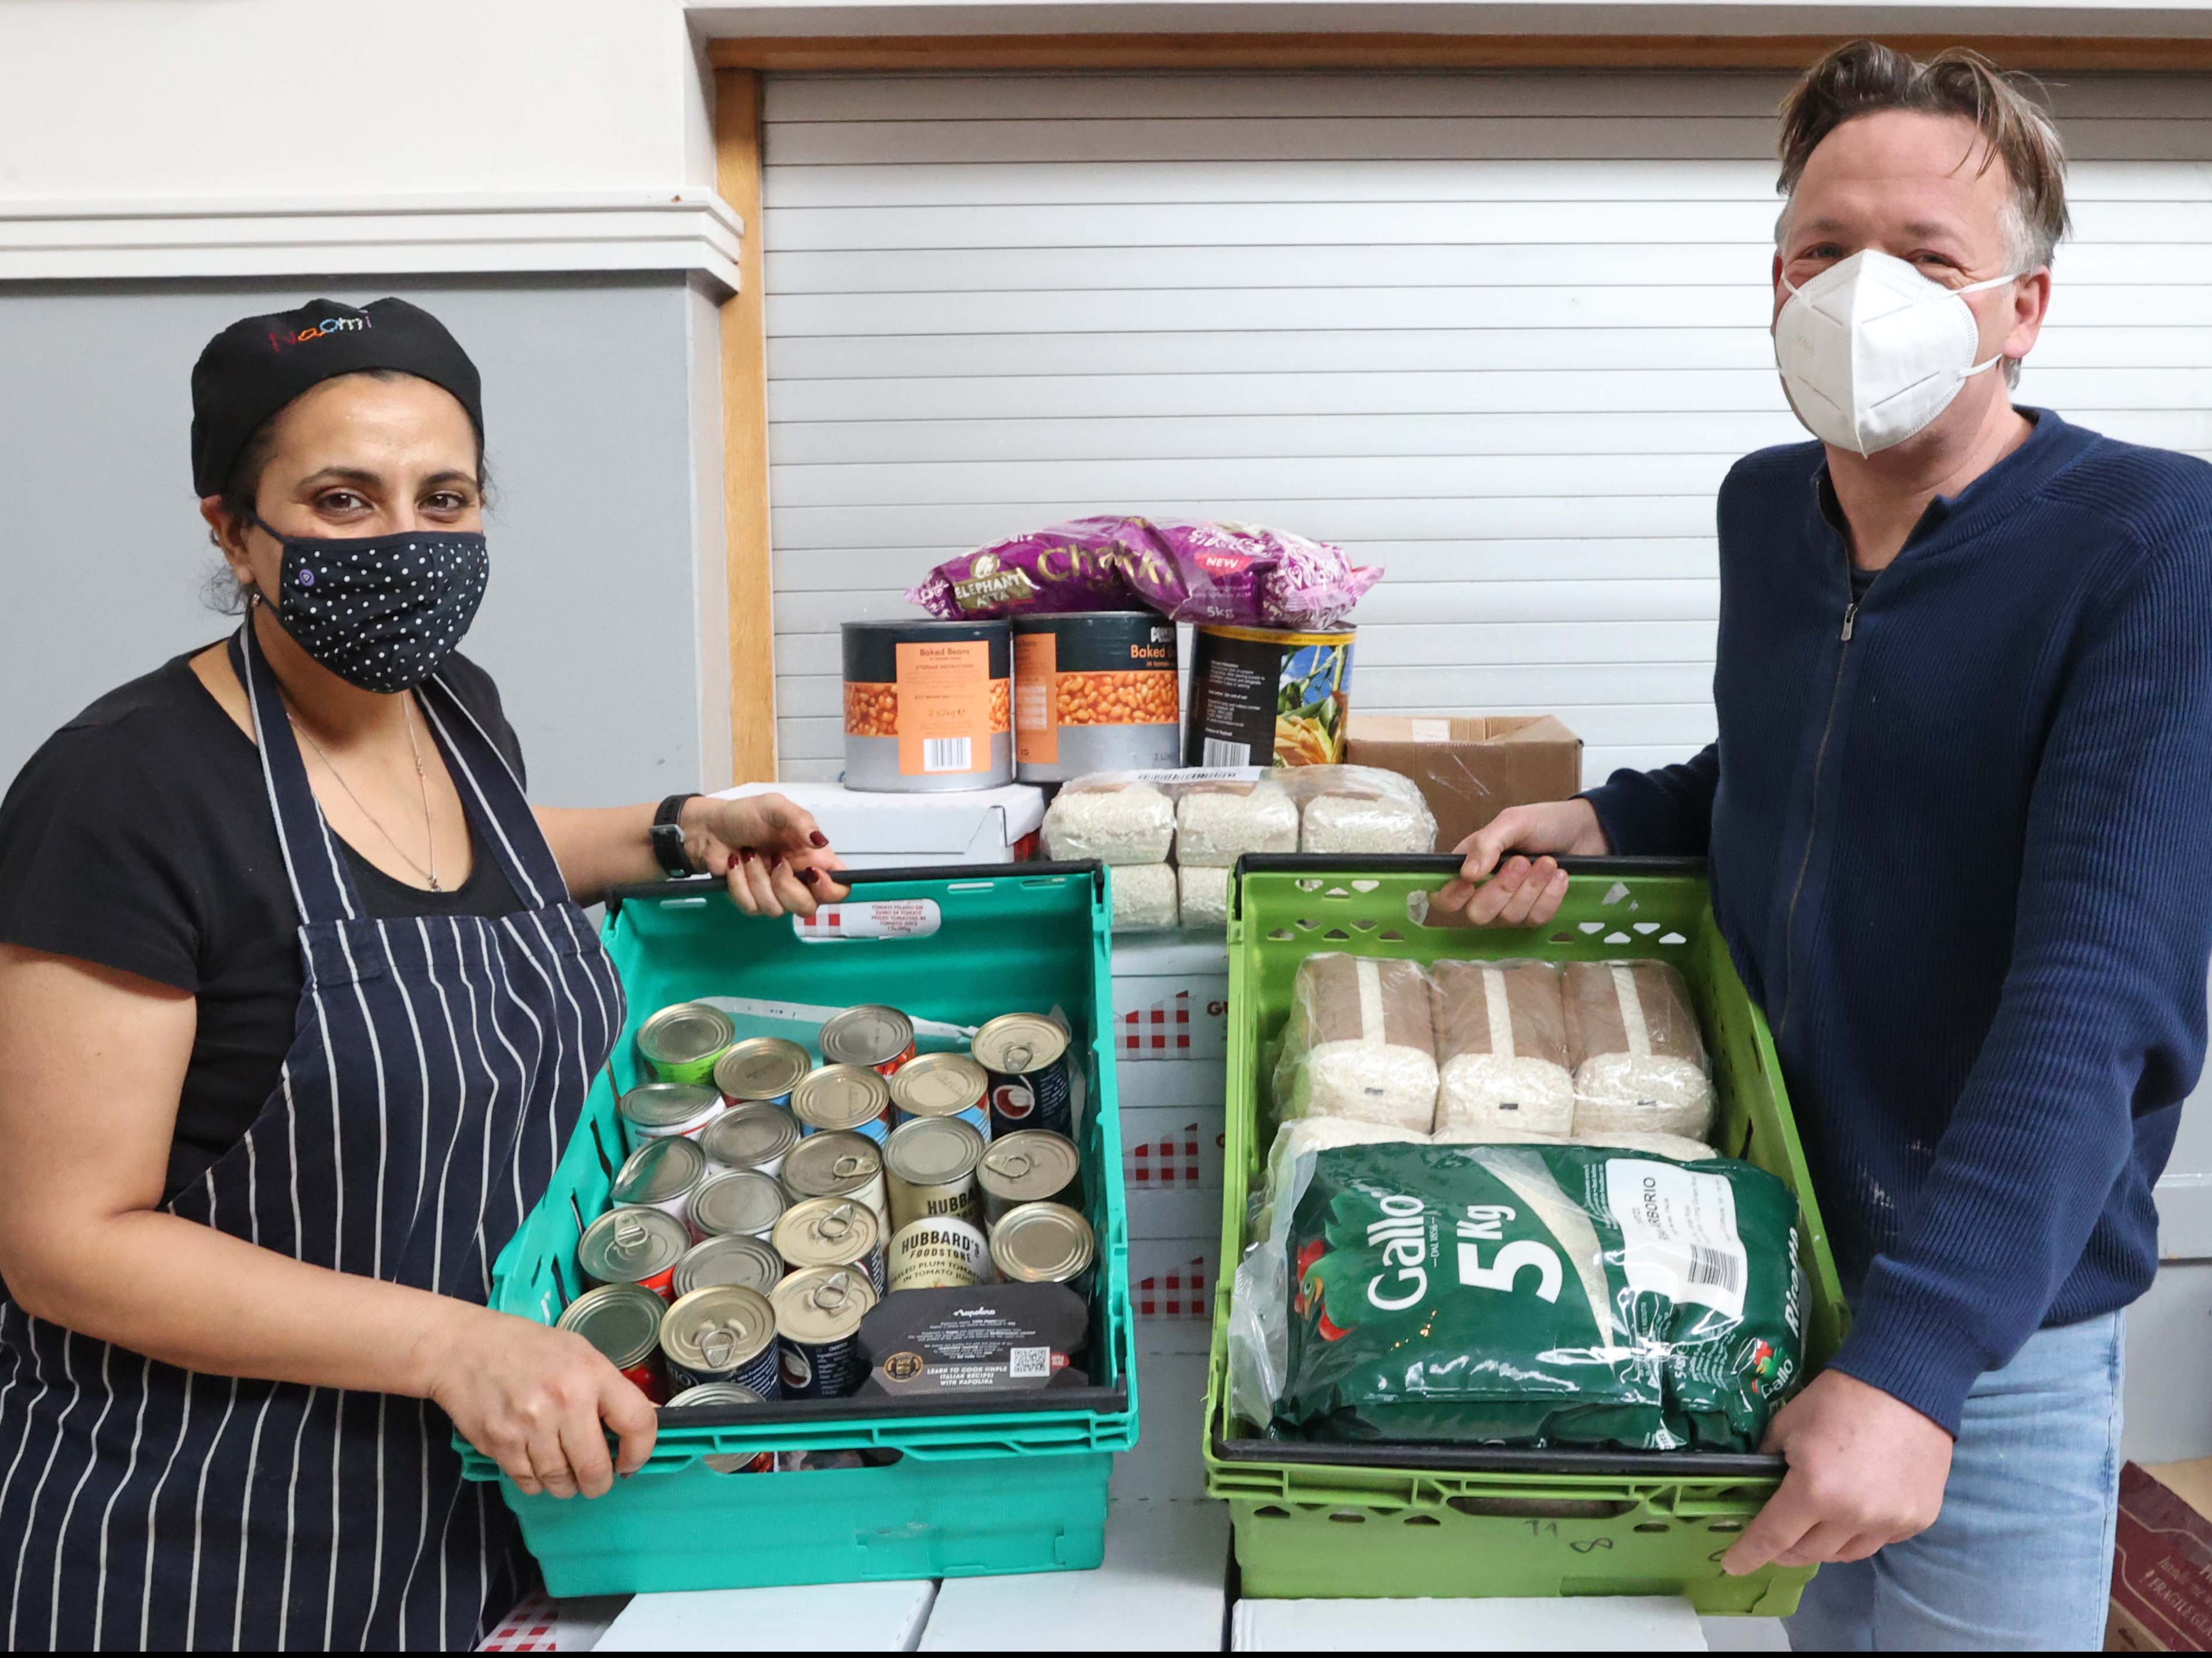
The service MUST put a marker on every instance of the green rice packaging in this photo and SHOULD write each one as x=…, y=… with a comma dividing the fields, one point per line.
x=1540, y=1294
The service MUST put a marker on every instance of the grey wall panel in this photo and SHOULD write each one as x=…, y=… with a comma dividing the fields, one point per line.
x=591, y=623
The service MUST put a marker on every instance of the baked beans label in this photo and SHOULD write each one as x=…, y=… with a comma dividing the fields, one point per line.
x=1037, y=725
x=1048, y=696
x=944, y=713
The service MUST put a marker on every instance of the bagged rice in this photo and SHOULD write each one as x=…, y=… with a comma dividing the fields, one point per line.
x=1360, y=1044
x=1217, y=824
x=1115, y=822
x=1501, y=1048
x=1205, y=894
x=1303, y=1134
x=1144, y=897
x=1361, y=808
x=1632, y=1040
x=1680, y=1147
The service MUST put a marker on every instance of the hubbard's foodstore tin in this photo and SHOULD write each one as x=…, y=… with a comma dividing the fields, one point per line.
x=942, y=1252
x=661, y=1173
x=1026, y=1054
x=722, y=1334
x=880, y=1038
x=761, y=1068
x=837, y=1165
x=653, y=1111
x=929, y=705
x=843, y=1098
x=1044, y=1244
x=818, y=1317
x=743, y=1204
x=832, y=1232
x=633, y=1246
x=942, y=1085
x=682, y=1043
x=755, y=1135
x=741, y=1260
x=929, y=1166
x=623, y=1322
x=1035, y=1166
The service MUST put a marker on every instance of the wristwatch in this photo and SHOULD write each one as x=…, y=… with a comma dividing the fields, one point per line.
x=667, y=837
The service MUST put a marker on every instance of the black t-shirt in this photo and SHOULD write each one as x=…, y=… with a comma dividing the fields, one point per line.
x=140, y=837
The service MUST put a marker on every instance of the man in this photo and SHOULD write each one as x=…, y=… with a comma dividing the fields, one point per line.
x=1959, y=821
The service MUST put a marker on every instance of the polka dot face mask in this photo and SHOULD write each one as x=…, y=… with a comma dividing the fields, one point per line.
x=381, y=611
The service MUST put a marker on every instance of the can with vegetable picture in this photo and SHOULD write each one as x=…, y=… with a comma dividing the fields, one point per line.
x=1260, y=696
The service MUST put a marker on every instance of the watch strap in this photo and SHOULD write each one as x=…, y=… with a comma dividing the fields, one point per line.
x=667, y=837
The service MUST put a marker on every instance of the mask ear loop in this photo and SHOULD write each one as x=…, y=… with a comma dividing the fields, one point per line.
x=1977, y=288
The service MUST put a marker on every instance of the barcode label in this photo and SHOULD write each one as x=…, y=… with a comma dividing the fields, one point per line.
x=1218, y=753
x=1716, y=1267
x=946, y=754
x=1029, y=1364
x=1678, y=1233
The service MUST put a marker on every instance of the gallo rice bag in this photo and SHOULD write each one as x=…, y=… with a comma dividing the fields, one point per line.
x=1539, y=1295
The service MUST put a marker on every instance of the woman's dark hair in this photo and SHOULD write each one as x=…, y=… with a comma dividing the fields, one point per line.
x=241, y=495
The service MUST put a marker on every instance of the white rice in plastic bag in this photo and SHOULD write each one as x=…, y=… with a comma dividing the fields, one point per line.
x=1114, y=823
x=1502, y=1048
x=1144, y=897
x=1639, y=1061
x=1360, y=808
x=1303, y=1134
x=1680, y=1147
x=1217, y=824
x=1205, y=893
x=1360, y=1044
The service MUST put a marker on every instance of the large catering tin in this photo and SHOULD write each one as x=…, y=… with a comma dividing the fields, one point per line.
x=928, y=705
x=1094, y=691
x=1260, y=696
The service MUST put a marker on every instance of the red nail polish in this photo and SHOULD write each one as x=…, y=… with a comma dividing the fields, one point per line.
x=819, y=838
x=746, y=853
x=812, y=877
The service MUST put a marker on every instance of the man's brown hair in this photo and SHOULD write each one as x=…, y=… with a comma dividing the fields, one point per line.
x=1866, y=77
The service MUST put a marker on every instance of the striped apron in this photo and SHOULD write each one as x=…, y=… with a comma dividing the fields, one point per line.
x=438, y=1069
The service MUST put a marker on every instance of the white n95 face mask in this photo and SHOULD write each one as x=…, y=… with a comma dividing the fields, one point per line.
x=1871, y=351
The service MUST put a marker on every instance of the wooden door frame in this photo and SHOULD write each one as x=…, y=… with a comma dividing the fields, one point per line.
x=739, y=65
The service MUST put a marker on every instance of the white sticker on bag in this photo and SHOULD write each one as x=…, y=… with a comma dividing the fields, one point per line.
x=891, y=918
x=1680, y=1235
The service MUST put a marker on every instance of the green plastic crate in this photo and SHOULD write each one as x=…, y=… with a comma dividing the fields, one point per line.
x=1009, y=1487
x=1316, y=1520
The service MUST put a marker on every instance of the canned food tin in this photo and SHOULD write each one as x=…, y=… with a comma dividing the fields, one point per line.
x=724, y=1394
x=940, y=1253
x=744, y=1202
x=843, y=1098
x=623, y=1322
x=661, y=1173
x=929, y=1166
x=929, y=705
x=817, y=1319
x=761, y=1068
x=1260, y=696
x=832, y=1232
x=1026, y=1054
x=683, y=1043
x=724, y=1333
x=718, y=1393
x=942, y=1085
x=633, y=1246
x=838, y=1165
x=743, y=1261
x=880, y=1038
x=656, y=1110
x=1044, y=1244
x=755, y=1135
x=1094, y=690
x=1035, y=1166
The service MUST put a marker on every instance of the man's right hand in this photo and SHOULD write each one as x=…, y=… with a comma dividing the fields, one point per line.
x=1522, y=893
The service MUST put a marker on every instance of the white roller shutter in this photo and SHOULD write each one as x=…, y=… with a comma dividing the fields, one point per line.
x=1501, y=334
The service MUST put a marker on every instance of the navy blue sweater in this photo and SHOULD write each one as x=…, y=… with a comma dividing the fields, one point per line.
x=1962, y=850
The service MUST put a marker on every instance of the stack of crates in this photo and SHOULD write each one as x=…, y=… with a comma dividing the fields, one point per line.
x=1329, y=1521
x=1017, y=1484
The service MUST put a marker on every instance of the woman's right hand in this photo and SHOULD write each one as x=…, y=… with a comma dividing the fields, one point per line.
x=1522, y=894
x=536, y=1400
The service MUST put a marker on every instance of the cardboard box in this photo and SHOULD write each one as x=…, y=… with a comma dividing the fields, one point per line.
x=1470, y=766
x=891, y=831
x=2162, y=1560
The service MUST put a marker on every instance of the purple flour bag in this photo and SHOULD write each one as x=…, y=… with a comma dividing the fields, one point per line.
x=1189, y=570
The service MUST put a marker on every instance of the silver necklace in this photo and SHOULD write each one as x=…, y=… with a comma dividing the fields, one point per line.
x=422, y=781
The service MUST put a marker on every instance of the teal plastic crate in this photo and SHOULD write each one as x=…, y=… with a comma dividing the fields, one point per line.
x=1010, y=1488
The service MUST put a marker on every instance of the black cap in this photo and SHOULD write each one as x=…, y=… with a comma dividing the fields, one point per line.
x=258, y=364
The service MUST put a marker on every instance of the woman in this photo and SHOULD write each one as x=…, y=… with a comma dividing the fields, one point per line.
x=297, y=1011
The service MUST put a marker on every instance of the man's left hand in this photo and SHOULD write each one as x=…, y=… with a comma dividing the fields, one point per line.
x=1866, y=1470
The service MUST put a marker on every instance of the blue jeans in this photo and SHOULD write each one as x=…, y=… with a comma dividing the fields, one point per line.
x=2021, y=1555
